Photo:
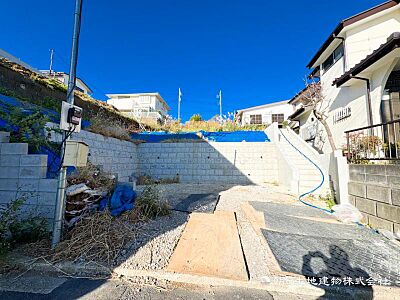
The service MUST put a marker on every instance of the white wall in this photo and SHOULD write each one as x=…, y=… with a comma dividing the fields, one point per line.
x=266, y=112
x=362, y=38
x=236, y=163
x=138, y=102
x=366, y=37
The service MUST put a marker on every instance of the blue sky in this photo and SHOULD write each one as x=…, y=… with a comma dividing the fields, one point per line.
x=254, y=50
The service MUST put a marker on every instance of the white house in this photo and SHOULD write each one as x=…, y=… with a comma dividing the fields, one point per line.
x=265, y=114
x=64, y=77
x=359, y=70
x=303, y=121
x=144, y=106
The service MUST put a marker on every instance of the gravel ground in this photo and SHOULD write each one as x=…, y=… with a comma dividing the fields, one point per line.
x=155, y=243
x=153, y=247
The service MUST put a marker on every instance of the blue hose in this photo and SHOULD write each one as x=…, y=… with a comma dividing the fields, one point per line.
x=313, y=190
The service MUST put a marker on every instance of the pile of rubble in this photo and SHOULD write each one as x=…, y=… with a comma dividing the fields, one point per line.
x=86, y=189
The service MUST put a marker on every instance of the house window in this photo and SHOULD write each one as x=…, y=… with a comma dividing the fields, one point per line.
x=278, y=118
x=333, y=58
x=255, y=119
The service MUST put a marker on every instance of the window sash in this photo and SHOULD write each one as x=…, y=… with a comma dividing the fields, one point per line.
x=255, y=119
x=280, y=118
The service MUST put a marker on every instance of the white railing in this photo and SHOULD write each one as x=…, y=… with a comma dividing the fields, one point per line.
x=288, y=175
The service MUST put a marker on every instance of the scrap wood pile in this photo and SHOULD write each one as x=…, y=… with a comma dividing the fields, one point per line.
x=100, y=236
x=86, y=188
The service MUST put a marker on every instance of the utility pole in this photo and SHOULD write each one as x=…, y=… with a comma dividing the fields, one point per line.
x=220, y=102
x=179, y=104
x=62, y=177
x=51, y=61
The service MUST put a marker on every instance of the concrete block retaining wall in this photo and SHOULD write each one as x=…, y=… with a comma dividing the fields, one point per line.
x=116, y=156
x=210, y=162
x=23, y=176
x=375, y=191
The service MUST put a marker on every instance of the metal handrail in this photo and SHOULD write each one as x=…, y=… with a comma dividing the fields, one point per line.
x=373, y=126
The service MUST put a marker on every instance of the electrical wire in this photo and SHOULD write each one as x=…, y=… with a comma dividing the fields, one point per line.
x=67, y=135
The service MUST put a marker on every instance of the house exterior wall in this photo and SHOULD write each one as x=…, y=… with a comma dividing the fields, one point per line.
x=362, y=38
x=139, y=105
x=267, y=112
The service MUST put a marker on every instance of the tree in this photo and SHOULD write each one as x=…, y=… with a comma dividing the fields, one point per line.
x=196, y=118
x=314, y=98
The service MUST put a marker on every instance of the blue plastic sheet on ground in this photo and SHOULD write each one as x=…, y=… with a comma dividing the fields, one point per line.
x=122, y=199
x=235, y=136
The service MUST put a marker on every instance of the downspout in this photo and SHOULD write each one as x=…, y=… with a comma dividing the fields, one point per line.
x=367, y=81
x=344, y=51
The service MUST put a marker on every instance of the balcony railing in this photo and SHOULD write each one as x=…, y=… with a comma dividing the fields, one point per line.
x=374, y=143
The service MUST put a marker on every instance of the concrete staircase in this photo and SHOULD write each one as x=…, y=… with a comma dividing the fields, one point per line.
x=296, y=172
x=309, y=176
x=23, y=175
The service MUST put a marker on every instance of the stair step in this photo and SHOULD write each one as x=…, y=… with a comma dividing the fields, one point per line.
x=14, y=148
x=4, y=137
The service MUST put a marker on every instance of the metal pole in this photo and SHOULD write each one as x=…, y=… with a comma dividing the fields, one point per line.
x=220, y=103
x=60, y=204
x=179, y=105
x=51, y=61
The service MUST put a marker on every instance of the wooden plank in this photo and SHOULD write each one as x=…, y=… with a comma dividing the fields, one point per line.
x=210, y=246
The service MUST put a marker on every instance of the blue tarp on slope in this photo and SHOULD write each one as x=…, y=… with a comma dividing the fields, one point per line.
x=235, y=136
x=53, y=160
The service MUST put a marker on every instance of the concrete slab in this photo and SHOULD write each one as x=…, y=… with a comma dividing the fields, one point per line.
x=31, y=282
x=198, y=203
x=303, y=220
x=334, y=257
x=210, y=246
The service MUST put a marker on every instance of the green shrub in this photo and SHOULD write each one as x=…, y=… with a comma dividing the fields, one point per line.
x=196, y=118
x=31, y=128
x=149, y=205
x=15, y=229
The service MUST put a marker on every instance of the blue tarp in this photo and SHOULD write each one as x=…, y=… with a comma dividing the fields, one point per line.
x=235, y=136
x=53, y=160
x=122, y=199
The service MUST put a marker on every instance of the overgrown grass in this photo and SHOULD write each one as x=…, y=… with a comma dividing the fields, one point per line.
x=329, y=200
x=149, y=206
x=16, y=228
x=147, y=180
x=112, y=128
x=209, y=126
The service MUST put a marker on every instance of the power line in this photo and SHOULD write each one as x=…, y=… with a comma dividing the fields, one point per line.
x=64, y=61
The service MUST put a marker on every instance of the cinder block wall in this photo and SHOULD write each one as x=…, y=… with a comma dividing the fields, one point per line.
x=114, y=155
x=23, y=176
x=210, y=162
x=375, y=191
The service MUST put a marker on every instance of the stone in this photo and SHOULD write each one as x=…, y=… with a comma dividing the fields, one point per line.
x=379, y=193
x=357, y=189
x=14, y=148
x=379, y=223
x=365, y=205
x=388, y=212
x=396, y=197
